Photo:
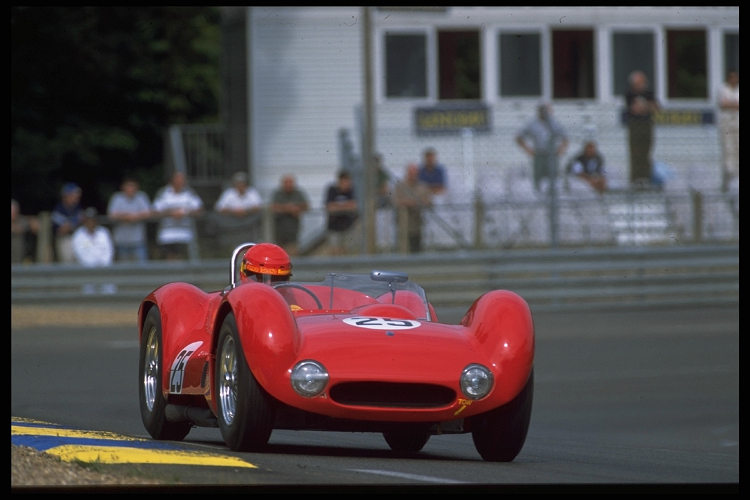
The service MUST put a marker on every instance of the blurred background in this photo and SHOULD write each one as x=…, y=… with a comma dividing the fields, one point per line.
x=101, y=93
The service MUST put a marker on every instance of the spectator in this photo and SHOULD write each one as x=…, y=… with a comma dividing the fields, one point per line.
x=238, y=214
x=588, y=165
x=433, y=173
x=93, y=247
x=92, y=243
x=66, y=217
x=128, y=209
x=177, y=204
x=544, y=139
x=22, y=231
x=240, y=199
x=288, y=203
x=341, y=206
x=382, y=182
x=640, y=107
x=729, y=128
x=411, y=197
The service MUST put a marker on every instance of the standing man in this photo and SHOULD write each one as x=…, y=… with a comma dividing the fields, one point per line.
x=177, y=204
x=238, y=213
x=544, y=139
x=729, y=128
x=341, y=205
x=411, y=197
x=640, y=107
x=433, y=173
x=240, y=199
x=129, y=208
x=66, y=217
x=288, y=203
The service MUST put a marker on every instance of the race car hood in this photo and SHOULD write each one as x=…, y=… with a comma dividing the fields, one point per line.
x=363, y=347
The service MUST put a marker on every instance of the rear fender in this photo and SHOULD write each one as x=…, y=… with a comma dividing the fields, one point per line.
x=500, y=323
x=186, y=316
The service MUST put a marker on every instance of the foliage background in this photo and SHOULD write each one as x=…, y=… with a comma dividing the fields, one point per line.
x=94, y=89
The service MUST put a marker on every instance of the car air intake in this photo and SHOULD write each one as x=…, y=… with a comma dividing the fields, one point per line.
x=392, y=395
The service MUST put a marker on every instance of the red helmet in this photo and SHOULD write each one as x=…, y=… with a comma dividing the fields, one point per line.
x=266, y=262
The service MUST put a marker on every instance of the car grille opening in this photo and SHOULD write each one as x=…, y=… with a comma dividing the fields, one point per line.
x=392, y=395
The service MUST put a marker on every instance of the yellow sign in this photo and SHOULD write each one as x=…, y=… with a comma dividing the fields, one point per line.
x=452, y=119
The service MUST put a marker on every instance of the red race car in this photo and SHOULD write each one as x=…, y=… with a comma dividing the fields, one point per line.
x=353, y=352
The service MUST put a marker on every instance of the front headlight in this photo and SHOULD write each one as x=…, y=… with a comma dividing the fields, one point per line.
x=476, y=381
x=309, y=378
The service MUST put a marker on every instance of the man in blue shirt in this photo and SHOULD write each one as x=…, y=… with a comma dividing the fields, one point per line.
x=433, y=173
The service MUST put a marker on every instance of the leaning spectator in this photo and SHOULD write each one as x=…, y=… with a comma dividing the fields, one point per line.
x=240, y=199
x=177, y=204
x=288, y=203
x=433, y=173
x=238, y=214
x=129, y=208
x=22, y=230
x=66, y=217
x=412, y=196
x=342, y=210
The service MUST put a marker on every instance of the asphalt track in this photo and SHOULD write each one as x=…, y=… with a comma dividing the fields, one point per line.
x=622, y=400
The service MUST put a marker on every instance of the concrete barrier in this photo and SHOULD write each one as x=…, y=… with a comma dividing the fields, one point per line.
x=578, y=278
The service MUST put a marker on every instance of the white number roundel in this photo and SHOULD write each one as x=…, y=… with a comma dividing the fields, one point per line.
x=375, y=323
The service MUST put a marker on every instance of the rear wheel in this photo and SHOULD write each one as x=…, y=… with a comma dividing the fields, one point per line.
x=150, y=369
x=500, y=434
x=407, y=439
x=245, y=410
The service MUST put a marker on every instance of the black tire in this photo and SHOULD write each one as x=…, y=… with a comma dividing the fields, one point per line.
x=150, y=370
x=407, y=439
x=245, y=410
x=500, y=434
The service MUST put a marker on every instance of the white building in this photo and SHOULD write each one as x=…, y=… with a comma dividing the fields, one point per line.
x=305, y=85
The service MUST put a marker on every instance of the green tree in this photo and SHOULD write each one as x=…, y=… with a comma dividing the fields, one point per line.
x=93, y=90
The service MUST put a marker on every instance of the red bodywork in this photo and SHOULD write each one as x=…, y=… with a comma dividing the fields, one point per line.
x=278, y=330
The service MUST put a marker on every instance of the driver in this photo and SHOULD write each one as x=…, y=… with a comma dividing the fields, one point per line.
x=265, y=263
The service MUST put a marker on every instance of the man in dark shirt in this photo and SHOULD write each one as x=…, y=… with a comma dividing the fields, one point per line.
x=640, y=108
x=341, y=206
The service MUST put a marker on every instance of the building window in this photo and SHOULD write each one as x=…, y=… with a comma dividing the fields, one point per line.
x=686, y=64
x=731, y=53
x=405, y=65
x=631, y=52
x=520, y=65
x=573, y=64
x=459, y=65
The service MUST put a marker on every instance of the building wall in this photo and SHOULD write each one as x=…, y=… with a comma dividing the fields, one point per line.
x=307, y=85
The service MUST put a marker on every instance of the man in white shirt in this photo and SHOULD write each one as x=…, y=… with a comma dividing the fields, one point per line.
x=238, y=214
x=177, y=204
x=93, y=247
x=92, y=243
x=240, y=199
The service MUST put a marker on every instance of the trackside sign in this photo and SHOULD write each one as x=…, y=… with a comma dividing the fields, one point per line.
x=452, y=119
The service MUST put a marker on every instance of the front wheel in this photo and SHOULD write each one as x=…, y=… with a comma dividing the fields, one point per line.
x=150, y=369
x=500, y=434
x=245, y=410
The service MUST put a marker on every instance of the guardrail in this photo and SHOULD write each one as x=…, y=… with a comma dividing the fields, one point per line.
x=570, y=278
